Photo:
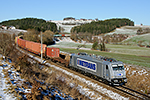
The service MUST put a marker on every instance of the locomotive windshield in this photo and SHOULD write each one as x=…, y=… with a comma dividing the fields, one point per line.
x=118, y=67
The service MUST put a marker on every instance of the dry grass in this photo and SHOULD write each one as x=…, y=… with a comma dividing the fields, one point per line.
x=62, y=81
x=138, y=79
x=32, y=72
x=1, y=64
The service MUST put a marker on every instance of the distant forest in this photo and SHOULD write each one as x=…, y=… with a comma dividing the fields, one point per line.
x=101, y=27
x=31, y=23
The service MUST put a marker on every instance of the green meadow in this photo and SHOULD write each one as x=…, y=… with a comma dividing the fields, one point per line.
x=129, y=54
x=127, y=58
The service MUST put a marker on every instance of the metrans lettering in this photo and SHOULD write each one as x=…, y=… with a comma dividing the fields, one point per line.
x=86, y=64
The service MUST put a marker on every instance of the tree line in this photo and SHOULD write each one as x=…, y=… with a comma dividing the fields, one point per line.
x=101, y=27
x=143, y=31
x=35, y=36
x=31, y=23
x=87, y=31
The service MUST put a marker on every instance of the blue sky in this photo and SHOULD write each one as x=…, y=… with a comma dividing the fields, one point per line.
x=136, y=10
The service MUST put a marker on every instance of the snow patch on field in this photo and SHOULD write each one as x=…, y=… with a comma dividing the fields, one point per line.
x=12, y=31
x=67, y=42
x=133, y=70
x=3, y=85
x=131, y=30
x=68, y=39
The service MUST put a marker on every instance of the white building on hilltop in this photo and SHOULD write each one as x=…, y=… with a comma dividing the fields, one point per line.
x=66, y=25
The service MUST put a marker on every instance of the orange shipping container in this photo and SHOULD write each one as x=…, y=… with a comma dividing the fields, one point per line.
x=29, y=45
x=18, y=42
x=52, y=52
x=21, y=43
x=35, y=47
x=44, y=47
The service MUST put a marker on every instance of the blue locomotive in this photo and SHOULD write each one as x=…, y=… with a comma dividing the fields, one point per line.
x=106, y=69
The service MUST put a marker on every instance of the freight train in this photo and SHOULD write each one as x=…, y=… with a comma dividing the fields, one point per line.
x=107, y=69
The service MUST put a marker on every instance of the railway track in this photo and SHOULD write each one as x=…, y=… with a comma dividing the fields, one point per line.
x=132, y=92
x=122, y=90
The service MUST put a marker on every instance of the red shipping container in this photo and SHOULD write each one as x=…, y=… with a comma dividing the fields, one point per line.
x=63, y=35
x=52, y=52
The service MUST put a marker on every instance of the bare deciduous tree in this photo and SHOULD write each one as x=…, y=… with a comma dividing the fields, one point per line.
x=31, y=35
x=48, y=37
x=6, y=44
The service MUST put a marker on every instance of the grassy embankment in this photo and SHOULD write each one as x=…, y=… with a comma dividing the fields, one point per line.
x=132, y=30
x=127, y=54
x=139, y=39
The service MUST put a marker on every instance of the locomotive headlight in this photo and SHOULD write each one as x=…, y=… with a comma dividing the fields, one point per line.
x=125, y=80
x=115, y=81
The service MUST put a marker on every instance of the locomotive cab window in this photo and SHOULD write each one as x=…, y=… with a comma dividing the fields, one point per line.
x=118, y=67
